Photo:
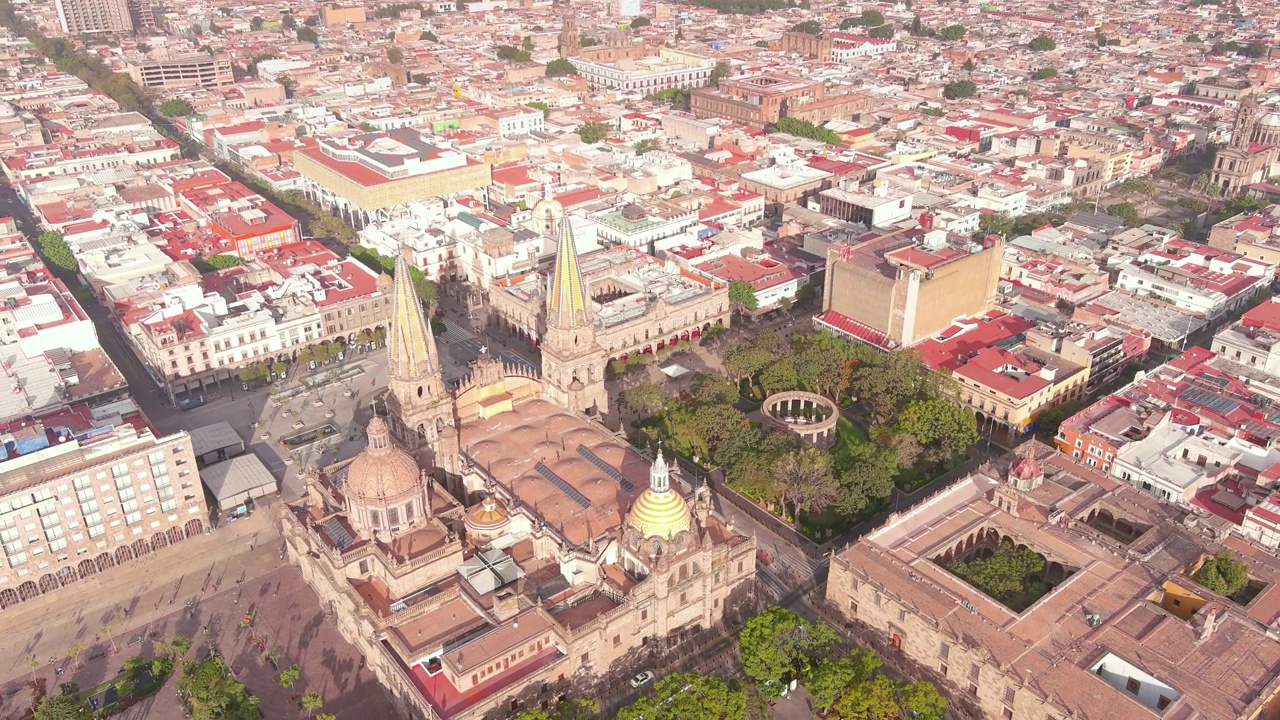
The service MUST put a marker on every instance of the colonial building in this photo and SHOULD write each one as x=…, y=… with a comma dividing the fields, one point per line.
x=1252, y=153
x=602, y=306
x=534, y=551
x=1108, y=623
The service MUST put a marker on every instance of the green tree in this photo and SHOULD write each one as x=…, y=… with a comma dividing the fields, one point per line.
x=780, y=375
x=647, y=145
x=326, y=716
x=1194, y=38
x=312, y=701
x=69, y=688
x=806, y=129
x=946, y=426
x=688, y=696
x=587, y=41
x=809, y=27
x=831, y=679
x=1004, y=574
x=289, y=676
x=644, y=399
x=778, y=643
x=420, y=78
x=805, y=481
x=511, y=54
x=175, y=107
x=223, y=262
x=887, y=383
x=745, y=360
x=592, y=132
x=868, y=481
x=917, y=27
x=959, y=89
x=526, y=43
x=559, y=67
x=721, y=71
x=306, y=34
x=311, y=21
x=58, y=707
x=743, y=296
x=1126, y=212
x=1042, y=43
x=395, y=55
x=640, y=22
x=256, y=23
x=429, y=36
x=1223, y=574
x=953, y=32
x=288, y=21
x=872, y=18
x=1044, y=73
x=539, y=105
x=1256, y=49
x=882, y=32
x=438, y=326
x=921, y=701
x=875, y=699
x=56, y=252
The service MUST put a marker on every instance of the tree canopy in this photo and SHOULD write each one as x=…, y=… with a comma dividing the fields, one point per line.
x=1223, y=574
x=809, y=27
x=688, y=696
x=958, y=89
x=56, y=252
x=1042, y=43
x=640, y=22
x=223, y=261
x=395, y=55
x=882, y=32
x=743, y=295
x=512, y=54
x=307, y=34
x=58, y=707
x=213, y=695
x=1044, y=73
x=175, y=107
x=953, y=32
x=806, y=129
x=560, y=66
x=778, y=644
x=592, y=132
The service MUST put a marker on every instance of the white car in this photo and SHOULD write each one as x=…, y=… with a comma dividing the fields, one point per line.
x=642, y=679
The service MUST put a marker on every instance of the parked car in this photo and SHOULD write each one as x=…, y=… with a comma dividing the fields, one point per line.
x=643, y=678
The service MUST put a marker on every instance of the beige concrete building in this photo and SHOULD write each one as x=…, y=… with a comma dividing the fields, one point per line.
x=94, y=16
x=75, y=506
x=903, y=287
x=366, y=175
x=1008, y=389
x=1111, y=625
x=185, y=71
x=546, y=556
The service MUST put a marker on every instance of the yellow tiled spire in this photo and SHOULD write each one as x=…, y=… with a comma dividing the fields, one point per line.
x=410, y=345
x=567, y=303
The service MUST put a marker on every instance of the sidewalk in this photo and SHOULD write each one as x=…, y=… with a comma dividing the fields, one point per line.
x=149, y=588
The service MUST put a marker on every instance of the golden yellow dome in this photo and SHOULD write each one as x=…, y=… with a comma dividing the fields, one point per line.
x=659, y=511
x=382, y=470
x=488, y=516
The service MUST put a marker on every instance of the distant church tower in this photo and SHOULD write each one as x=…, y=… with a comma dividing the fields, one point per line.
x=572, y=361
x=419, y=406
x=570, y=43
x=1235, y=167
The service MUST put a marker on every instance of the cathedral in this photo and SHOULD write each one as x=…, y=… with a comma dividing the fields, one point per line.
x=492, y=548
x=1253, y=153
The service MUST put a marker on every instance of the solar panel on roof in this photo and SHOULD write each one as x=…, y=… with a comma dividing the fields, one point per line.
x=565, y=487
x=337, y=533
x=1209, y=401
x=606, y=468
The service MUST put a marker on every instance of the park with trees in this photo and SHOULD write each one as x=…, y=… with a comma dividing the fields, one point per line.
x=898, y=427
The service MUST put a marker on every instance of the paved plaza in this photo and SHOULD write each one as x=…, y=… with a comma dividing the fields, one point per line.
x=287, y=617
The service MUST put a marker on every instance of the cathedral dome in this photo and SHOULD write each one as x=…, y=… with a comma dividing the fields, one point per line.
x=1270, y=120
x=659, y=511
x=382, y=471
x=1028, y=468
x=488, y=517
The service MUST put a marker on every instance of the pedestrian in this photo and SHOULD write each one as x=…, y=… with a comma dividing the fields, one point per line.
x=155, y=606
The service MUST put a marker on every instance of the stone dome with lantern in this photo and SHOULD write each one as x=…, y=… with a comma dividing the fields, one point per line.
x=384, y=487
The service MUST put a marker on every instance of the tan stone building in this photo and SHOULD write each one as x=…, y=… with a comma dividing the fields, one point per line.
x=903, y=287
x=602, y=306
x=185, y=71
x=74, y=506
x=567, y=554
x=1112, y=625
x=1253, y=152
x=760, y=100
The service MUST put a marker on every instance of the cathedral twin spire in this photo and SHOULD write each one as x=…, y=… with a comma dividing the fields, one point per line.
x=411, y=346
x=568, y=306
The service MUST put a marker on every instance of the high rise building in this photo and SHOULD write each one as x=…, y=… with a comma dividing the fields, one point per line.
x=94, y=16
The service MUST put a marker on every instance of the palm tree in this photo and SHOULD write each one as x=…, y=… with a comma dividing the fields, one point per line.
x=32, y=664
x=74, y=651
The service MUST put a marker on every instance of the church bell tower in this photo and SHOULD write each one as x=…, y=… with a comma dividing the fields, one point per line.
x=572, y=361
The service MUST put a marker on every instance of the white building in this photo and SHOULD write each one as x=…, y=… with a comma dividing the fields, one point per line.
x=668, y=69
x=626, y=8
x=845, y=46
x=1172, y=463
